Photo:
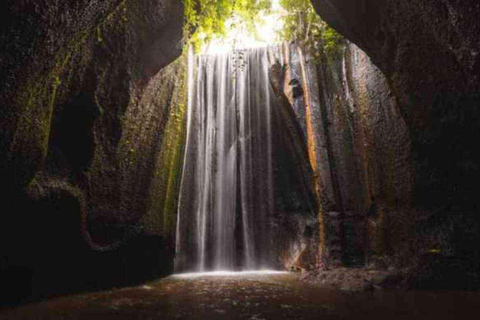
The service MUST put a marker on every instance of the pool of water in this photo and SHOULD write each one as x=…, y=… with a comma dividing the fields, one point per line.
x=252, y=296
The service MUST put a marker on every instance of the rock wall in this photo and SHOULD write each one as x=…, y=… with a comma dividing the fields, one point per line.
x=91, y=118
x=369, y=157
x=429, y=54
x=359, y=149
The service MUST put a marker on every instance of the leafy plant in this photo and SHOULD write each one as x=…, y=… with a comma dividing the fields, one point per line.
x=206, y=19
x=302, y=24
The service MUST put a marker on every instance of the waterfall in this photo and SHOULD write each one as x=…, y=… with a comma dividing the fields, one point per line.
x=226, y=193
x=247, y=178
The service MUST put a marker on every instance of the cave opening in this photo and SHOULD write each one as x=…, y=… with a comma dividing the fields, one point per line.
x=230, y=141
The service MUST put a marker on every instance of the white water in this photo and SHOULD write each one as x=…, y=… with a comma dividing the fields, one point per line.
x=226, y=192
x=228, y=273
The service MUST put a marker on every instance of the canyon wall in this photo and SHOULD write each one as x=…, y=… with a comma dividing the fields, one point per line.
x=91, y=138
x=429, y=54
x=359, y=149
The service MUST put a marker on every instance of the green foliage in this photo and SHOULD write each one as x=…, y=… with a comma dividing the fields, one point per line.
x=206, y=19
x=302, y=24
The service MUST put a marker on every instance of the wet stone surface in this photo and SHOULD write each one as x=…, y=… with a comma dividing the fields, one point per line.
x=255, y=297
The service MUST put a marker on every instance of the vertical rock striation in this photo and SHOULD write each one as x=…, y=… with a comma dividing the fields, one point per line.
x=359, y=149
x=429, y=53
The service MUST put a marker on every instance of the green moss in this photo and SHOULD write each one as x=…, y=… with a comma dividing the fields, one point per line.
x=169, y=169
x=174, y=160
x=124, y=13
x=99, y=35
x=37, y=96
x=37, y=100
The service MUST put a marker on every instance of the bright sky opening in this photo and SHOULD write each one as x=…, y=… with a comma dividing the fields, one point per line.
x=238, y=38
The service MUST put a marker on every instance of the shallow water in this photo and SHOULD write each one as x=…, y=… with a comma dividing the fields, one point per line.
x=249, y=296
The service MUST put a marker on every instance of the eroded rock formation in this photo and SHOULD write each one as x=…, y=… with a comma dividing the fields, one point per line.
x=91, y=127
x=429, y=54
x=359, y=149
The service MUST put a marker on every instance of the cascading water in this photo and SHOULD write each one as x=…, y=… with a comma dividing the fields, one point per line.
x=227, y=177
x=227, y=198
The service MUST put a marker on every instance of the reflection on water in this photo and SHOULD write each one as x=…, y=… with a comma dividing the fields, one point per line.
x=250, y=296
x=226, y=273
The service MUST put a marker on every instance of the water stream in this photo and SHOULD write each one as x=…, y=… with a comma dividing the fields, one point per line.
x=227, y=193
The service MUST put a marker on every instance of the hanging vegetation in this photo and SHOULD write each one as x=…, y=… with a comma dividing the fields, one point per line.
x=302, y=24
x=209, y=19
x=206, y=19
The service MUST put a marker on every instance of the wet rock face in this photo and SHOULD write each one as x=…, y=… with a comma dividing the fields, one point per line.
x=358, y=147
x=429, y=52
x=363, y=158
x=85, y=91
